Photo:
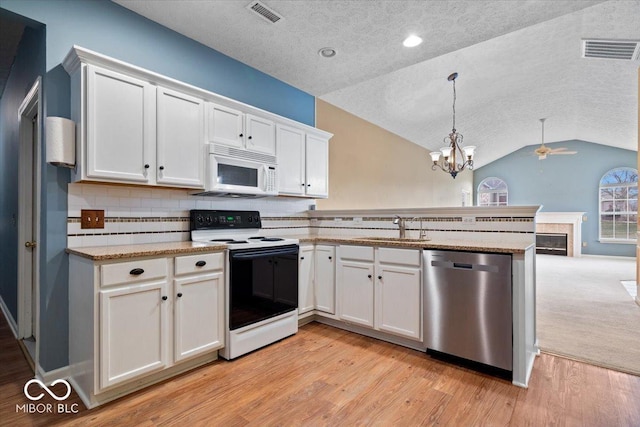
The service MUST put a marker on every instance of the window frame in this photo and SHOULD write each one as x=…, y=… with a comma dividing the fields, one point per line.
x=492, y=193
x=631, y=237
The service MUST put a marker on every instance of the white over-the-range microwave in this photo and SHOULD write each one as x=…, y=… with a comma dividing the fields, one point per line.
x=234, y=172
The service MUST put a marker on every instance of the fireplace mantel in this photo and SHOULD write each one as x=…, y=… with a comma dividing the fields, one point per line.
x=545, y=222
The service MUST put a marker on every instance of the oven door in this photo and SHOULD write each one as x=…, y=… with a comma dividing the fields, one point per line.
x=263, y=283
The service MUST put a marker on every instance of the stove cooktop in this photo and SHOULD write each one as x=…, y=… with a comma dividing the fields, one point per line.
x=236, y=229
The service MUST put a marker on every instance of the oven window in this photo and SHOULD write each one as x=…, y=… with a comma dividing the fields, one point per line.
x=237, y=175
x=263, y=284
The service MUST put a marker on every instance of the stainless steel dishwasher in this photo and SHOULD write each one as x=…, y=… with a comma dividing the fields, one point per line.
x=467, y=307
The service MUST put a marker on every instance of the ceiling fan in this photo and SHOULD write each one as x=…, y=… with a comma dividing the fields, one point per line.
x=543, y=150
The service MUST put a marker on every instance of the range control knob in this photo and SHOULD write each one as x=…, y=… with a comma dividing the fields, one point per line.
x=199, y=219
x=256, y=218
x=250, y=219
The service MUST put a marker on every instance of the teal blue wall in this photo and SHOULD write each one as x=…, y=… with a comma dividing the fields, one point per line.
x=28, y=65
x=110, y=29
x=566, y=183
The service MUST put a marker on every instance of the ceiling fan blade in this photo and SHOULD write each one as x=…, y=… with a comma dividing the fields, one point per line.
x=563, y=152
x=559, y=149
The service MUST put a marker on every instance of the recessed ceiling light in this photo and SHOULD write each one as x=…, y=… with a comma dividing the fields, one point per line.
x=412, y=41
x=327, y=52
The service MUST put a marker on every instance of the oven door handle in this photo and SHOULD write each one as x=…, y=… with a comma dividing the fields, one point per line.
x=259, y=253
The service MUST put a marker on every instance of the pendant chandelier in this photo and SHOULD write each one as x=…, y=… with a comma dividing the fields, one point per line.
x=453, y=158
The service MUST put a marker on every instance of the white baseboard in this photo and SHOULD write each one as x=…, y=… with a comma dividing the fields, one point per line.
x=10, y=320
x=50, y=376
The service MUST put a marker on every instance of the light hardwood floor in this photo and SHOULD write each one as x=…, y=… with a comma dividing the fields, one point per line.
x=326, y=376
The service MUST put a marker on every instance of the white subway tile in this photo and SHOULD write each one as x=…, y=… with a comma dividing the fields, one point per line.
x=74, y=241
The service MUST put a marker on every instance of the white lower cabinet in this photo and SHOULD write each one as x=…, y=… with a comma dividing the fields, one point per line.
x=325, y=278
x=316, y=279
x=199, y=301
x=136, y=322
x=306, y=270
x=132, y=332
x=381, y=288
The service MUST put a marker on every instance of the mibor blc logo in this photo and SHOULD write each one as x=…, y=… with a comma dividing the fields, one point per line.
x=46, y=408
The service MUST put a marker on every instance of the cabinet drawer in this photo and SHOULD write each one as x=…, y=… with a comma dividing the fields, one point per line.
x=362, y=253
x=399, y=256
x=199, y=263
x=133, y=271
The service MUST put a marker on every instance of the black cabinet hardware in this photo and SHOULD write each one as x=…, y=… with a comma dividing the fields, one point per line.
x=136, y=271
x=201, y=263
x=164, y=297
x=179, y=294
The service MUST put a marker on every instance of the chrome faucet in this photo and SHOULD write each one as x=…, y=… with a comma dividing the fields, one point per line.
x=399, y=221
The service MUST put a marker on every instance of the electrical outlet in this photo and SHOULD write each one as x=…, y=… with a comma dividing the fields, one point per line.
x=91, y=218
x=584, y=244
x=357, y=220
x=469, y=219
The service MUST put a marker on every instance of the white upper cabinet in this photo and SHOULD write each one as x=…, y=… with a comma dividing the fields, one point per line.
x=120, y=127
x=317, y=166
x=261, y=136
x=180, y=139
x=134, y=126
x=291, y=153
x=303, y=161
x=236, y=129
x=226, y=125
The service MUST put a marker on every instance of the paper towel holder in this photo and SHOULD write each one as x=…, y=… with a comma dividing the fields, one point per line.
x=61, y=142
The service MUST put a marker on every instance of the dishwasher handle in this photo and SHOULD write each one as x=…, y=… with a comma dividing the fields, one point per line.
x=465, y=266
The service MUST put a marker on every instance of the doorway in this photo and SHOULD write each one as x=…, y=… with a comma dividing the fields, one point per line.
x=28, y=220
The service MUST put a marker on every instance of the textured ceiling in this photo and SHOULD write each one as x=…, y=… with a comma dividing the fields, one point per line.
x=518, y=61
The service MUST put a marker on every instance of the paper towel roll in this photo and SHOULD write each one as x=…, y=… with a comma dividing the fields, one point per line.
x=61, y=141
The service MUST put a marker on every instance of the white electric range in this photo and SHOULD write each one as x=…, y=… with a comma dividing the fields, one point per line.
x=261, y=278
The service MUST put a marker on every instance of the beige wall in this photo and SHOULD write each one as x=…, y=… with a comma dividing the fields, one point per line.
x=638, y=233
x=370, y=167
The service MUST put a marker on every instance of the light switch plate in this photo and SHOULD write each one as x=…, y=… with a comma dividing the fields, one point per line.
x=91, y=218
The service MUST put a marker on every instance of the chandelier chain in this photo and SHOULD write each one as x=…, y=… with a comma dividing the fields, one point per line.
x=454, y=105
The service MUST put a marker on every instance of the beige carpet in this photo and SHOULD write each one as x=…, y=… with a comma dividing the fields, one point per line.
x=584, y=312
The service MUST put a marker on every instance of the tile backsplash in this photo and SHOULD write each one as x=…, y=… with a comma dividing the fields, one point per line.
x=150, y=215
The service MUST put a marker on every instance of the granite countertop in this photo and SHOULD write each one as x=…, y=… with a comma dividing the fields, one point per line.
x=99, y=253
x=460, y=245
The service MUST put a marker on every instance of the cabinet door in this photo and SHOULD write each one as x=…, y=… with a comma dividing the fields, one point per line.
x=261, y=135
x=199, y=310
x=398, y=300
x=305, y=279
x=120, y=127
x=225, y=126
x=356, y=292
x=180, y=139
x=132, y=332
x=325, y=279
x=317, y=166
x=290, y=160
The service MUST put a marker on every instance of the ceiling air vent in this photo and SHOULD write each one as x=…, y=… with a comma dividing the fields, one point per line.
x=264, y=12
x=611, y=49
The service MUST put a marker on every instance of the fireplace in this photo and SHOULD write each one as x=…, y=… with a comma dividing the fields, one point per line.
x=551, y=244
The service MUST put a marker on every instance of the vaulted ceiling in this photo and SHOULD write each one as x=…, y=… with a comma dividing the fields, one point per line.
x=518, y=61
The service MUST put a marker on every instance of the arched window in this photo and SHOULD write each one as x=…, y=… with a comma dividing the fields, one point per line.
x=493, y=192
x=619, y=205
